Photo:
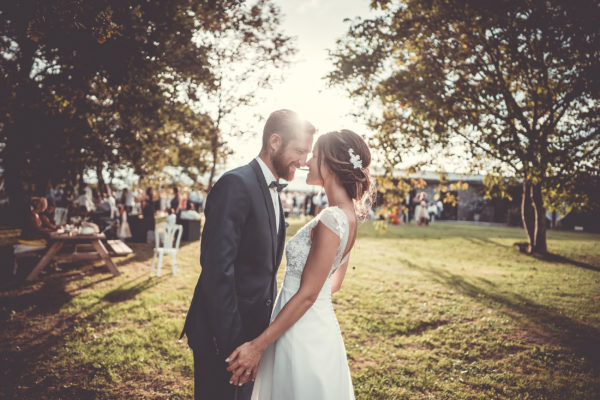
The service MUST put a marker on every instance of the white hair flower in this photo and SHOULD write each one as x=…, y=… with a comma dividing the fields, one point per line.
x=355, y=158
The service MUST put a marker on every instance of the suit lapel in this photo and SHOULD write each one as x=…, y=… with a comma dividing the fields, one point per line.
x=268, y=203
x=281, y=235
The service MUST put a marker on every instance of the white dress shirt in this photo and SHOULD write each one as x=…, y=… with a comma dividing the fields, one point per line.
x=269, y=177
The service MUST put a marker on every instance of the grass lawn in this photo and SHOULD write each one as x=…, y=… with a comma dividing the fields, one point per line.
x=449, y=311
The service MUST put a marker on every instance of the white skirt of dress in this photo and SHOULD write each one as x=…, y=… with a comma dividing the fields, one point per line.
x=309, y=360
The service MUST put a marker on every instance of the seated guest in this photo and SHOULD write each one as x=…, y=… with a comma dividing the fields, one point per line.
x=194, y=200
x=34, y=228
x=103, y=206
x=47, y=216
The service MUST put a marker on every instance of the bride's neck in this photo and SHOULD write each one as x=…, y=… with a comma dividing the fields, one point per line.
x=336, y=194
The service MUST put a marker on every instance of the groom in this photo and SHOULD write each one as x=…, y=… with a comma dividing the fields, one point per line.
x=242, y=245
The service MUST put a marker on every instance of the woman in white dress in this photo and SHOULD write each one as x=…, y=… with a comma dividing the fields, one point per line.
x=303, y=353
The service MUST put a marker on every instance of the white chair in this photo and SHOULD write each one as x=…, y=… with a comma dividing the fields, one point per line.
x=167, y=238
x=60, y=215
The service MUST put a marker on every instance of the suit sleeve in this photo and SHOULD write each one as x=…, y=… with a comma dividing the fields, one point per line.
x=226, y=213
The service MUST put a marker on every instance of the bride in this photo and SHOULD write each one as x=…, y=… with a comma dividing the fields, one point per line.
x=303, y=353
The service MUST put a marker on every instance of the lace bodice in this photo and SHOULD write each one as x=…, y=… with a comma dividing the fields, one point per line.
x=298, y=246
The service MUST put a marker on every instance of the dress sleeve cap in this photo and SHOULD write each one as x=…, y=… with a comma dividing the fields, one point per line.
x=331, y=218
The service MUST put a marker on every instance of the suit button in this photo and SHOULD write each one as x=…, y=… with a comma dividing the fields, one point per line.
x=268, y=302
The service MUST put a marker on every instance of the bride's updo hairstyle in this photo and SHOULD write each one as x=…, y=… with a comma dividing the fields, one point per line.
x=347, y=155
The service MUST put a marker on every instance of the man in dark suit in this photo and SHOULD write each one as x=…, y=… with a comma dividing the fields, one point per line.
x=241, y=249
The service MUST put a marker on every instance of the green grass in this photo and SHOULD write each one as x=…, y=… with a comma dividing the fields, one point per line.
x=450, y=311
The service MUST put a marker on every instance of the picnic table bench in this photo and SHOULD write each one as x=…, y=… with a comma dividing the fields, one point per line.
x=93, y=248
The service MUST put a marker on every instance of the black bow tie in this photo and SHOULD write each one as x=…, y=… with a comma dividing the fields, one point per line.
x=279, y=186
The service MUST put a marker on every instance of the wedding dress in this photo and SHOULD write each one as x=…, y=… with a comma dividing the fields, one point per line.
x=309, y=360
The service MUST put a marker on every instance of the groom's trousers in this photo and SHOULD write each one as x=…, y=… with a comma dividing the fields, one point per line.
x=211, y=380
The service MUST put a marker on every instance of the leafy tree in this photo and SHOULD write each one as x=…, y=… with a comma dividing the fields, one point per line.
x=97, y=84
x=516, y=83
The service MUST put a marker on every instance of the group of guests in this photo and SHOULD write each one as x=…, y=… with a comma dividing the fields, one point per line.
x=427, y=211
x=298, y=203
x=182, y=201
x=418, y=208
x=123, y=207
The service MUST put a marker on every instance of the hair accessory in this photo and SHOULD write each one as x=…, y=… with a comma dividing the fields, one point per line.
x=355, y=158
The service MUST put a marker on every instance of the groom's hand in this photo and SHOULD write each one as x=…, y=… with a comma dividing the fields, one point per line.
x=243, y=363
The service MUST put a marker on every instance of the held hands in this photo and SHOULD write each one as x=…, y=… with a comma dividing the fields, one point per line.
x=243, y=363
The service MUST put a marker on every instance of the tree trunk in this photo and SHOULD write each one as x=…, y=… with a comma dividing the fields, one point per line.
x=539, y=244
x=14, y=153
x=533, y=215
x=14, y=162
x=101, y=183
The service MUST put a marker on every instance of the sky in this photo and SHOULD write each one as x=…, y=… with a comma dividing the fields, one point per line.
x=316, y=24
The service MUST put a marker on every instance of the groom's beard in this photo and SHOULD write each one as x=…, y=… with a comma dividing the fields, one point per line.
x=283, y=170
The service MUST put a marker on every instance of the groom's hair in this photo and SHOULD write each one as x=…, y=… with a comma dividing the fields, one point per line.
x=286, y=123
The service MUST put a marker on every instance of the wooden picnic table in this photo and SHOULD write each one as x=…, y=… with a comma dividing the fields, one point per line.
x=58, y=241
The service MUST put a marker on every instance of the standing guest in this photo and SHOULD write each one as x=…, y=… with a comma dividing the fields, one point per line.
x=323, y=200
x=162, y=202
x=308, y=206
x=67, y=197
x=110, y=199
x=440, y=208
x=175, y=205
x=316, y=204
x=128, y=200
x=432, y=210
x=422, y=213
x=148, y=211
x=84, y=203
x=183, y=203
x=201, y=200
x=123, y=199
x=52, y=195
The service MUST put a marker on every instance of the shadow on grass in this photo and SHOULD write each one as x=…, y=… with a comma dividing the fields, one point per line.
x=48, y=293
x=581, y=338
x=126, y=291
x=556, y=258
x=560, y=259
x=143, y=252
x=34, y=328
x=483, y=241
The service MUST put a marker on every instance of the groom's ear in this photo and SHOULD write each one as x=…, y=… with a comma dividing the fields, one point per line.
x=275, y=142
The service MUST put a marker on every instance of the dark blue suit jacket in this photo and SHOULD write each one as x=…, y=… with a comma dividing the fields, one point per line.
x=240, y=254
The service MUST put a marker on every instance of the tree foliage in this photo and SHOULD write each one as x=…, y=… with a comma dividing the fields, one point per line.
x=514, y=82
x=245, y=58
x=98, y=84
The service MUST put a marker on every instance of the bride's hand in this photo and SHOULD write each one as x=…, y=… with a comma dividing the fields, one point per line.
x=243, y=363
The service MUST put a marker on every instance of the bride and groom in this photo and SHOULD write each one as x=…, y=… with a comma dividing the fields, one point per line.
x=246, y=346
